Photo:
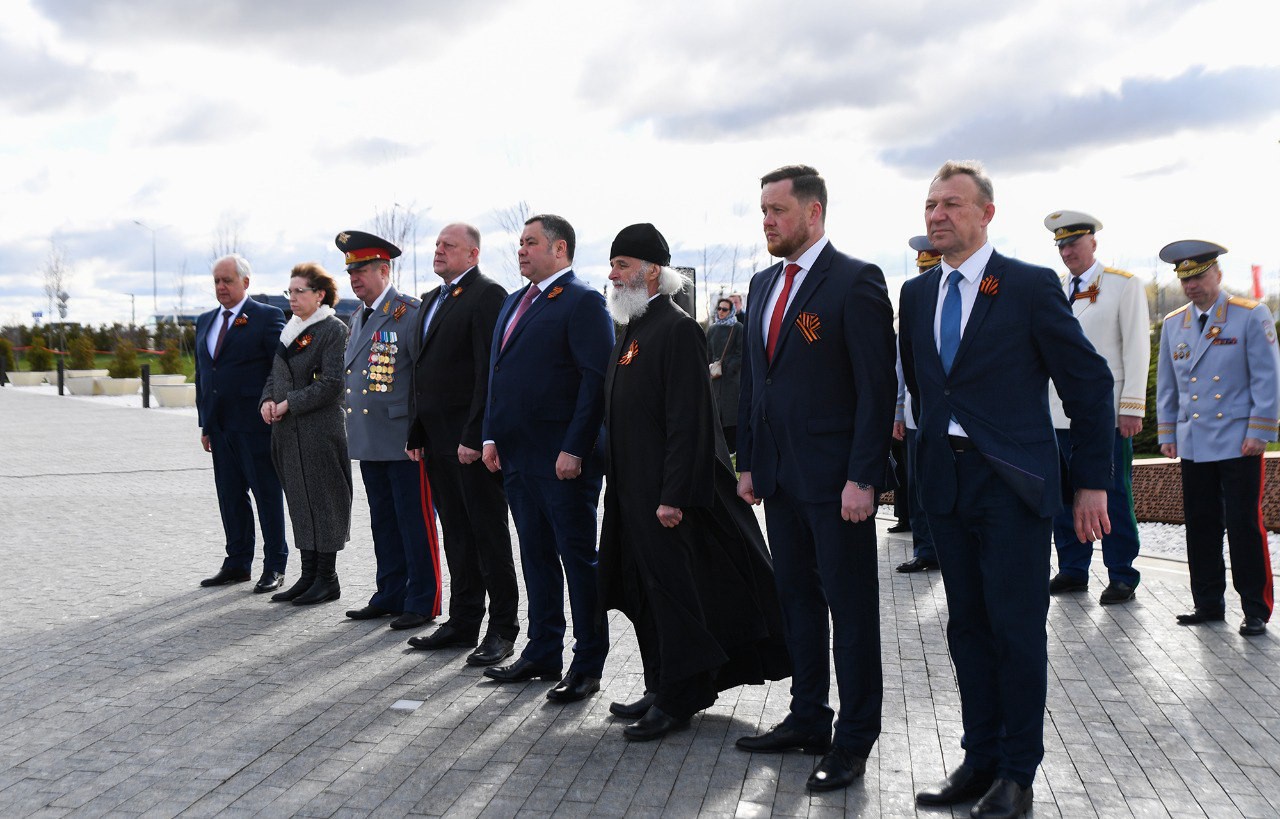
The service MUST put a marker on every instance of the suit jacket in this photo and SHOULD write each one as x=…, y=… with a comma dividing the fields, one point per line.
x=227, y=390
x=1115, y=320
x=378, y=381
x=1020, y=334
x=1216, y=388
x=546, y=388
x=450, y=373
x=821, y=413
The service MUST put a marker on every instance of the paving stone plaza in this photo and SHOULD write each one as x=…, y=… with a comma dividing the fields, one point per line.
x=126, y=689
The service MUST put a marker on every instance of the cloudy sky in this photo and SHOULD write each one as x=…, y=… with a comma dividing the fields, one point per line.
x=285, y=122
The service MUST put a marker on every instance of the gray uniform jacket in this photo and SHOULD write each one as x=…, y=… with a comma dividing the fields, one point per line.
x=377, y=370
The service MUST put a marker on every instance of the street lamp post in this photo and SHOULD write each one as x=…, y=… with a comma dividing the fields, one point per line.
x=155, y=301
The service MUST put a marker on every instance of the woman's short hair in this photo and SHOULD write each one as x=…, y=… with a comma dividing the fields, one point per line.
x=318, y=279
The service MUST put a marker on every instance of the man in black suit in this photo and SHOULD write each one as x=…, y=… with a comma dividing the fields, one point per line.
x=450, y=385
x=815, y=416
x=235, y=344
x=981, y=335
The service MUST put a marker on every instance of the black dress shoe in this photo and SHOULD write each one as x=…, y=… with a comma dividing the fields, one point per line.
x=1005, y=800
x=961, y=785
x=1198, y=616
x=900, y=526
x=837, y=770
x=225, y=576
x=444, y=637
x=633, y=710
x=1064, y=583
x=1253, y=626
x=655, y=724
x=1117, y=592
x=916, y=564
x=492, y=651
x=369, y=613
x=783, y=737
x=270, y=581
x=575, y=686
x=521, y=671
x=411, y=619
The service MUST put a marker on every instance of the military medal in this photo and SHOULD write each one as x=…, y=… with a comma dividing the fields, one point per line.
x=1214, y=332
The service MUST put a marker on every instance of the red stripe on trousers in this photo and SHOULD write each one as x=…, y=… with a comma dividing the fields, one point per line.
x=1268, y=592
x=433, y=540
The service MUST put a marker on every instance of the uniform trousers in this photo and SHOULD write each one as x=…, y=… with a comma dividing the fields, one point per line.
x=921, y=537
x=404, y=537
x=242, y=464
x=1120, y=547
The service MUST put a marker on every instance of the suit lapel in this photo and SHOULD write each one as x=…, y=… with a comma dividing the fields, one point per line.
x=456, y=292
x=981, y=304
x=812, y=281
x=539, y=304
x=926, y=308
x=1217, y=318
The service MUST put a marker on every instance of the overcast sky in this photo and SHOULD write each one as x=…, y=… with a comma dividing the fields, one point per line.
x=291, y=121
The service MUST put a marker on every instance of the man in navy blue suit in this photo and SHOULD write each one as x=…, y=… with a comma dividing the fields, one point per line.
x=814, y=421
x=235, y=345
x=981, y=335
x=542, y=428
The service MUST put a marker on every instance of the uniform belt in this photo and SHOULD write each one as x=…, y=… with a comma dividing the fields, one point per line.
x=959, y=443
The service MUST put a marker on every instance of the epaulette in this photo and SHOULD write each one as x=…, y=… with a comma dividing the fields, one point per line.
x=1124, y=273
x=1241, y=301
x=412, y=301
x=1178, y=311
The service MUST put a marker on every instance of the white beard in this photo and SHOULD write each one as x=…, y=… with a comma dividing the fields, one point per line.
x=627, y=304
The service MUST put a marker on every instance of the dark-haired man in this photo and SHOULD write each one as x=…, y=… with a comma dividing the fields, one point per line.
x=815, y=416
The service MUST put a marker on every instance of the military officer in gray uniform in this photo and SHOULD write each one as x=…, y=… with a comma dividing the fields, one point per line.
x=1217, y=407
x=377, y=366
x=1111, y=306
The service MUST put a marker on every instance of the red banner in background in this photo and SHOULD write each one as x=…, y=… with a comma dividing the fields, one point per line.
x=1257, y=282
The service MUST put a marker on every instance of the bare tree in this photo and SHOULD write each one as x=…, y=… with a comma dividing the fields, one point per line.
x=57, y=273
x=226, y=237
x=399, y=226
x=511, y=221
x=180, y=289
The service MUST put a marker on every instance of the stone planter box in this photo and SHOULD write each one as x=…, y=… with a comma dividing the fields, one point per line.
x=80, y=384
x=117, y=386
x=174, y=395
x=51, y=376
x=162, y=379
x=78, y=374
x=25, y=379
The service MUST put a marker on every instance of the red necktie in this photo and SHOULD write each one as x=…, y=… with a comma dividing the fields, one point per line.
x=529, y=296
x=222, y=333
x=775, y=321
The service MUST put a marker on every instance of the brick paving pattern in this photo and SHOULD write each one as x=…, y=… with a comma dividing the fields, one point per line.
x=125, y=689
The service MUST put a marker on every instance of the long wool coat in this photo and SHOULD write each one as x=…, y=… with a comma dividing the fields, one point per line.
x=709, y=581
x=309, y=445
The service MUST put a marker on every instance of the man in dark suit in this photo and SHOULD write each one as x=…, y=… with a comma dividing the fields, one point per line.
x=815, y=416
x=449, y=345
x=981, y=335
x=542, y=429
x=235, y=344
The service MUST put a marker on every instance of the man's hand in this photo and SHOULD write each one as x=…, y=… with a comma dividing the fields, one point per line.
x=206, y=443
x=899, y=430
x=669, y=516
x=1253, y=446
x=467, y=455
x=490, y=457
x=856, y=505
x=568, y=466
x=1169, y=450
x=745, y=490
x=1130, y=425
x=415, y=455
x=268, y=410
x=1090, y=513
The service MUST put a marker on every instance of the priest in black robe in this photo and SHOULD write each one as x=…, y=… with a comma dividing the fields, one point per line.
x=681, y=555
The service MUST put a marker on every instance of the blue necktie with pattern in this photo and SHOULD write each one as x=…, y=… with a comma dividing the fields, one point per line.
x=949, y=332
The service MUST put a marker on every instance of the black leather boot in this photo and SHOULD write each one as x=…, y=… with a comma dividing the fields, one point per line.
x=304, y=582
x=325, y=587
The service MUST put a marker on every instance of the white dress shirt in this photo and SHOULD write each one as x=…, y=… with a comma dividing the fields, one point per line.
x=211, y=339
x=971, y=270
x=805, y=261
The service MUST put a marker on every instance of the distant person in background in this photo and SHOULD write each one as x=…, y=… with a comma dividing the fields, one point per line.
x=302, y=401
x=724, y=360
x=739, y=309
x=235, y=344
x=1217, y=408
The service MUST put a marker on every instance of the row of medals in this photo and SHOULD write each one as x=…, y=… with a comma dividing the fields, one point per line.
x=382, y=366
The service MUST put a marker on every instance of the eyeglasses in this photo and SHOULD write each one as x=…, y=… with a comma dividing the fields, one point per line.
x=722, y=309
x=299, y=291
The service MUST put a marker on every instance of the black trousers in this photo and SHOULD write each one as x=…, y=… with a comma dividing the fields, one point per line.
x=1220, y=496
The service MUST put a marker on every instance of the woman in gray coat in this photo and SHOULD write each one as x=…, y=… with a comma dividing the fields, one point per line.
x=724, y=348
x=302, y=401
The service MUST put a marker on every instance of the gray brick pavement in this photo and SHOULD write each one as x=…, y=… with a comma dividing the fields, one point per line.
x=127, y=690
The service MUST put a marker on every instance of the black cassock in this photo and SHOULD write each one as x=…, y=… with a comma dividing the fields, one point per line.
x=701, y=594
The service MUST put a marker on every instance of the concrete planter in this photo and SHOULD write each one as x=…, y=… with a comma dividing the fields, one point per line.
x=174, y=395
x=117, y=386
x=53, y=378
x=80, y=384
x=161, y=379
x=25, y=379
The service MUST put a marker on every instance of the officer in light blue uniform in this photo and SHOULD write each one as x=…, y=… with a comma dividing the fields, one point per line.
x=1218, y=405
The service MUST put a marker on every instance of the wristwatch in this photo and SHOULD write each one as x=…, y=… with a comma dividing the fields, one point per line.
x=863, y=486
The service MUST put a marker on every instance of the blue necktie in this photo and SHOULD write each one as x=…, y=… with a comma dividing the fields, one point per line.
x=950, y=330
x=444, y=294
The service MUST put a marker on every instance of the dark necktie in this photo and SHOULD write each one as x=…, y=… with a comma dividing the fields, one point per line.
x=775, y=321
x=364, y=318
x=1075, y=288
x=222, y=332
x=1204, y=319
x=444, y=294
x=529, y=296
x=949, y=331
